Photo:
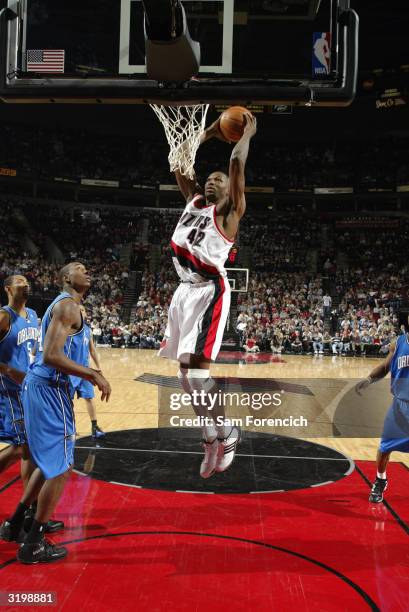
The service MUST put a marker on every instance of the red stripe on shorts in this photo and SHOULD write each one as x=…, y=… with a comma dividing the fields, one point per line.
x=214, y=325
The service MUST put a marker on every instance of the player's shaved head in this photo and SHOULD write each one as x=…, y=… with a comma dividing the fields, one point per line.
x=221, y=174
x=74, y=276
x=65, y=272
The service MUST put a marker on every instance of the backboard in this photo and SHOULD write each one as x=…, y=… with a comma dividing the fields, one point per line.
x=263, y=51
x=238, y=279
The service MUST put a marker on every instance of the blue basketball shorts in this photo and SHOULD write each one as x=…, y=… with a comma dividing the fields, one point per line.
x=395, y=435
x=85, y=390
x=12, y=417
x=50, y=424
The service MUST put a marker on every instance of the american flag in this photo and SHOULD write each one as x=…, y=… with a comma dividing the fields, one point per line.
x=45, y=60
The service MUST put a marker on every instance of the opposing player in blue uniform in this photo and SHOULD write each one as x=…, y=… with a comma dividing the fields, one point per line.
x=48, y=412
x=395, y=435
x=82, y=351
x=18, y=336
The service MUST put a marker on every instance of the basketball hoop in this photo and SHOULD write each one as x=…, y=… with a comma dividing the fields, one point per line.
x=183, y=127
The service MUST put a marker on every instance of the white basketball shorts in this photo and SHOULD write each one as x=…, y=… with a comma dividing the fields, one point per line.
x=196, y=320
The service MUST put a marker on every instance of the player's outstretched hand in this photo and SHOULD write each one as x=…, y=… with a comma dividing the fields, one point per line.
x=213, y=131
x=250, y=125
x=103, y=385
x=362, y=385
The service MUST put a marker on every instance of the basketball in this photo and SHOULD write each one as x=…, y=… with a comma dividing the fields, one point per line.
x=232, y=123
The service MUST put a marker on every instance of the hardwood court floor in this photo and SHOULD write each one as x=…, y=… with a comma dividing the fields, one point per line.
x=134, y=404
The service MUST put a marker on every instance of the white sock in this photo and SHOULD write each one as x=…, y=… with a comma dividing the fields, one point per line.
x=381, y=475
x=209, y=433
x=199, y=380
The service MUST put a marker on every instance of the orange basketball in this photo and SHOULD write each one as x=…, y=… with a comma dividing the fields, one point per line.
x=232, y=123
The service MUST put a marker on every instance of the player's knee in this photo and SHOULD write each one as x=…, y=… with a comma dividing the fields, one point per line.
x=200, y=380
x=66, y=475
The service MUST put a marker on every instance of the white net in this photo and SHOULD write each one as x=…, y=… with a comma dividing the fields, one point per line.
x=183, y=127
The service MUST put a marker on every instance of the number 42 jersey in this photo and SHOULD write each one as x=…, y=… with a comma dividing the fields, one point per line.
x=199, y=246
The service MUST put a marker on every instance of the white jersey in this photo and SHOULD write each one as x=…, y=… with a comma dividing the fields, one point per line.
x=199, y=246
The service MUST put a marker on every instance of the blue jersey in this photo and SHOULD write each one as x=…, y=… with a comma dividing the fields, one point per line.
x=400, y=369
x=16, y=346
x=80, y=351
x=39, y=368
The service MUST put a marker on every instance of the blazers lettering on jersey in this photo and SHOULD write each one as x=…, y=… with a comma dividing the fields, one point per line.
x=201, y=222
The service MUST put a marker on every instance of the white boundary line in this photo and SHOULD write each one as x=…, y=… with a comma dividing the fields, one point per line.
x=147, y=450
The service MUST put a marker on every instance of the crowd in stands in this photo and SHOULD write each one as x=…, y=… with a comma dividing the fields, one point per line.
x=287, y=308
x=280, y=243
x=93, y=237
x=288, y=316
x=81, y=153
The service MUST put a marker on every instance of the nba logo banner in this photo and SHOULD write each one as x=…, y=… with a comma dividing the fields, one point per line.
x=321, y=54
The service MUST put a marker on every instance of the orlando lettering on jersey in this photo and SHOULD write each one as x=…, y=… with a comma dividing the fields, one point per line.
x=403, y=361
x=16, y=345
x=27, y=333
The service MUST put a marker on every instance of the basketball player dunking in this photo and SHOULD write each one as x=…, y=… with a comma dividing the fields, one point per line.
x=199, y=309
x=395, y=435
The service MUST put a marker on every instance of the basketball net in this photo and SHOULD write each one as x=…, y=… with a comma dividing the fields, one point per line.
x=183, y=127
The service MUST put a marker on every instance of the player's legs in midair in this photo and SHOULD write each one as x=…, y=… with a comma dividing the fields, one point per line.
x=219, y=438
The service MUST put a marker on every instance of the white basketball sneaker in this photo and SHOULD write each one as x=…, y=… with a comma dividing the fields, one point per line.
x=208, y=465
x=227, y=450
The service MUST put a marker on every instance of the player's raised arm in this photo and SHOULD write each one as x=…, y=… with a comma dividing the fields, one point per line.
x=65, y=316
x=190, y=187
x=236, y=170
